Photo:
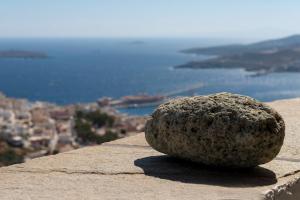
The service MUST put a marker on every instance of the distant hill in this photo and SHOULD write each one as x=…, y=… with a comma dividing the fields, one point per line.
x=22, y=54
x=281, y=55
x=278, y=44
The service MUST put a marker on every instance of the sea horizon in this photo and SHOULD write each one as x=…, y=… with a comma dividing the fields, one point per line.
x=82, y=71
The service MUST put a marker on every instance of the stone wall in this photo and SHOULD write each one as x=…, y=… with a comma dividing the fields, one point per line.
x=130, y=169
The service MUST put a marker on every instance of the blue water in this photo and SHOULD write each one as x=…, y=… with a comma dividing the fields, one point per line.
x=83, y=70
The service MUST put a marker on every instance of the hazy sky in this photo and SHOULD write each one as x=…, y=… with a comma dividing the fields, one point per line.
x=149, y=18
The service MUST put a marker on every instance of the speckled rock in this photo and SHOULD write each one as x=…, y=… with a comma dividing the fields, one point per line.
x=224, y=129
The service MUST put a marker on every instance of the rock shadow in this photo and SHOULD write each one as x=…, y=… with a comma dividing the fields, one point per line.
x=169, y=168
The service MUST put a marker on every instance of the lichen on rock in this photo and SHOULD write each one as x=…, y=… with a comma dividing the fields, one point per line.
x=226, y=130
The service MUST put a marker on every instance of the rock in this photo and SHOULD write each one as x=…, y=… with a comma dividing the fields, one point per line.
x=224, y=130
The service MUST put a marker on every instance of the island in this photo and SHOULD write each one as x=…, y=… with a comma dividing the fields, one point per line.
x=137, y=42
x=22, y=54
x=281, y=55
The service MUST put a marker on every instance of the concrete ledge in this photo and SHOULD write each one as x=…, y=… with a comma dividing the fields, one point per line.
x=130, y=169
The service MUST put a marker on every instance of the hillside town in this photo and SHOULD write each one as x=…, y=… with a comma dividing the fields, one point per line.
x=33, y=129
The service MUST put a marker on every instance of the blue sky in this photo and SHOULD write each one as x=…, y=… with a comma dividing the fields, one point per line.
x=149, y=18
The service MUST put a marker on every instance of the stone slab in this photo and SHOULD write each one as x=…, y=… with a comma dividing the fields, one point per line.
x=130, y=169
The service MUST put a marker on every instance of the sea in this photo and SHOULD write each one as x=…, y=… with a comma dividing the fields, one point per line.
x=81, y=70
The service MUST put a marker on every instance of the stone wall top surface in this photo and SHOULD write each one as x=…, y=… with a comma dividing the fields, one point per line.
x=130, y=169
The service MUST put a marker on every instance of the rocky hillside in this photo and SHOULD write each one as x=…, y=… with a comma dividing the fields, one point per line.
x=281, y=55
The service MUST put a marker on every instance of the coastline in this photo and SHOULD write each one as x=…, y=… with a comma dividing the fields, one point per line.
x=265, y=57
